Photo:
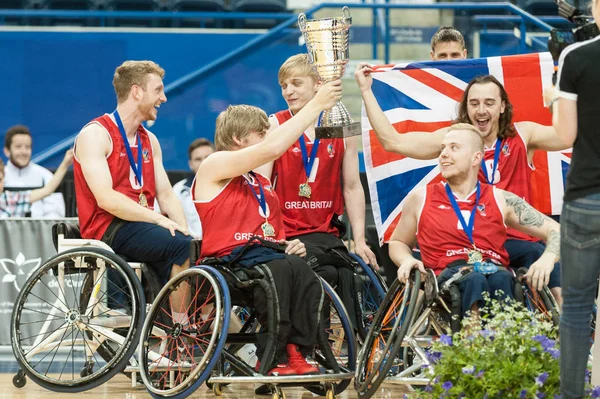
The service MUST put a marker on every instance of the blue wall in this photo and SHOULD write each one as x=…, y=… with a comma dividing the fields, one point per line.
x=55, y=82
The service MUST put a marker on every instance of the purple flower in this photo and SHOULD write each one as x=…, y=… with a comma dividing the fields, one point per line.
x=541, y=379
x=434, y=357
x=546, y=342
x=596, y=392
x=557, y=396
x=446, y=339
x=468, y=370
x=523, y=394
x=534, y=349
x=447, y=385
x=428, y=388
x=480, y=374
x=540, y=395
x=485, y=396
x=555, y=353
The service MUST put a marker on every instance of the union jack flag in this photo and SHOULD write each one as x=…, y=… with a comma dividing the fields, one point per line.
x=424, y=97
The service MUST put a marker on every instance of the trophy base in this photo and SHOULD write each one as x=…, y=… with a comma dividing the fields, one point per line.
x=338, y=132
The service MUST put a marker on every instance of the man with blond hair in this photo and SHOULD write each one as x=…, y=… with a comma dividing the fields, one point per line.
x=315, y=180
x=119, y=175
x=463, y=223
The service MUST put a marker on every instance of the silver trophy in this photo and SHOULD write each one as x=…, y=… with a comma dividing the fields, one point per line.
x=327, y=41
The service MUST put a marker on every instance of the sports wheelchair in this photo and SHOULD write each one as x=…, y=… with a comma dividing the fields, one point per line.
x=415, y=314
x=203, y=348
x=76, y=322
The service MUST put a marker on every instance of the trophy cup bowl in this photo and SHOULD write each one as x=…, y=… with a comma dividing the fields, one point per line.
x=327, y=43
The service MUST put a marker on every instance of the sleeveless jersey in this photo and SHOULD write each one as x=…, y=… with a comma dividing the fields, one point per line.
x=303, y=215
x=234, y=216
x=513, y=173
x=441, y=237
x=94, y=220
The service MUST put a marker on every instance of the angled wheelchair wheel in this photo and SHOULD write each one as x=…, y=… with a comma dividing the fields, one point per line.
x=380, y=353
x=184, y=333
x=64, y=317
x=370, y=292
x=541, y=301
x=336, y=352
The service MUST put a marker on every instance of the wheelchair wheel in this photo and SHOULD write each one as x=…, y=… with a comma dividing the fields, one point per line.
x=379, y=353
x=370, y=291
x=541, y=301
x=58, y=330
x=182, y=343
x=340, y=353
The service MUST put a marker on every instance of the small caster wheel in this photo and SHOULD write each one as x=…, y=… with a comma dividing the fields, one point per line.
x=217, y=389
x=87, y=370
x=330, y=394
x=19, y=380
x=209, y=385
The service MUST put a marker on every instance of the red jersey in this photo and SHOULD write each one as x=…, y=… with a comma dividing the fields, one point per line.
x=94, y=220
x=234, y=216
x=513, y=173
x=303, y=215
x=440, y=234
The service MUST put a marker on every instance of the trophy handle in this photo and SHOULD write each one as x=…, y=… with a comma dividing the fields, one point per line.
x=302, y=22
x=346, y=12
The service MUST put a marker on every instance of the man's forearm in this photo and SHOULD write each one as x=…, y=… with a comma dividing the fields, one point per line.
x=125, y=208
x=354, y=198
x=381, y=125
x=553, y=245
x=399, y=252
x=170, y=204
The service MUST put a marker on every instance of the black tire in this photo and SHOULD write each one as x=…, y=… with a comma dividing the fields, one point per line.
x=389, y=327
x=345, y=352
x=65, y=312
x=169, y=346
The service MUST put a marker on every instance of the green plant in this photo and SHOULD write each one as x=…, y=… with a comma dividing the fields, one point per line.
x=514, y=355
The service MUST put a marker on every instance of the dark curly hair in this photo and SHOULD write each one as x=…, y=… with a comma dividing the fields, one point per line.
x=505, y=128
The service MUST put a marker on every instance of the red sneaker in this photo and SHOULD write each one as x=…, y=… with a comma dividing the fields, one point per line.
x=298, y=362
x=280, y=369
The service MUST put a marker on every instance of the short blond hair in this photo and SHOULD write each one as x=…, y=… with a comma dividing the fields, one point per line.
x=238, y=121
x=296, y=65
x=477, y=140
x=132, y=73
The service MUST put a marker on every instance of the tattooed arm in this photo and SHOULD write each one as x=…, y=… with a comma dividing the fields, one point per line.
x=523, y=217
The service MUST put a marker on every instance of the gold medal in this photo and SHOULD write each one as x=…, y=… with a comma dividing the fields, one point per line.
x=474, y=257
x=268, y=229
x=143, y=200
x=305, y=190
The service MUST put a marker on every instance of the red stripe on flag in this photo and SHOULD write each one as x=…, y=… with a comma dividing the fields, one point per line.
x=440, y=85
x=523, y=83
x=380, y=156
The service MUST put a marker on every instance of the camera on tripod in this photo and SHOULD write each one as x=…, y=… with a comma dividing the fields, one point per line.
x=561, y=38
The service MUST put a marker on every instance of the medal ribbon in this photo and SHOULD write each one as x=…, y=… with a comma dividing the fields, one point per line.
x=137, y=170
x=468, y=228
x=494, y=165
x=308, y=162
x=261, y=201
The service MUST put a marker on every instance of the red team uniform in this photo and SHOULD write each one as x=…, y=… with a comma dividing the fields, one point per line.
x=303, y=215
x=222, y=235
x=441, y=237
x=513, y=173
x=94, y=220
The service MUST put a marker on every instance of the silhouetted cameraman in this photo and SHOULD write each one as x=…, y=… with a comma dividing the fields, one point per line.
x=576, y=110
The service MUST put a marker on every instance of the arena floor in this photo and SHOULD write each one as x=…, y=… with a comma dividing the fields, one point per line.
x=120, y=388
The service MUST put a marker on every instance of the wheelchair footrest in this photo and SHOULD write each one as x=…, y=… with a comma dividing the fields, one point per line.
x=287, y=379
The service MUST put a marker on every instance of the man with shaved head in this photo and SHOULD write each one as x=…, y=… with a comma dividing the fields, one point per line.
x=462, y=223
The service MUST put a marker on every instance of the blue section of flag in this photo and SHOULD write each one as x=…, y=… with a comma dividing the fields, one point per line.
x=390, y=98
x=393, y=189
x=464, y=70
x=565, y=169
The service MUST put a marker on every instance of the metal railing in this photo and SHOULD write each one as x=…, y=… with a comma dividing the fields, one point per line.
x=181, y=84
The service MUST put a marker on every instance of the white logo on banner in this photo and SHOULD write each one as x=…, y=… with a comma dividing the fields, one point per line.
x=18, y=270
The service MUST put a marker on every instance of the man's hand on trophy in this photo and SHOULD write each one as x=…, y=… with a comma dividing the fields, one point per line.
x=363, y=76
x=329, y=94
